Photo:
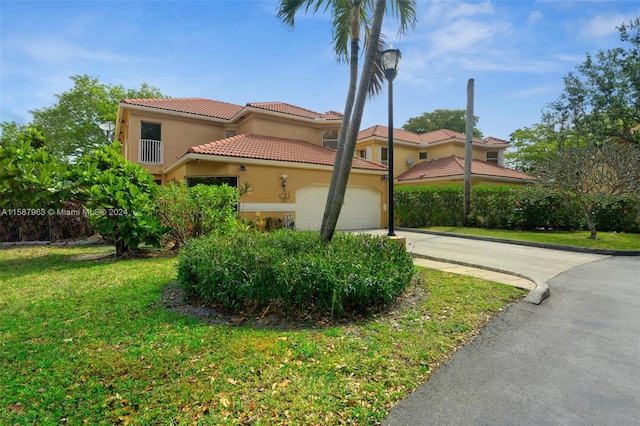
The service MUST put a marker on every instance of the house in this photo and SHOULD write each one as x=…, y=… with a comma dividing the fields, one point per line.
x=437, y=158
x=284, y=152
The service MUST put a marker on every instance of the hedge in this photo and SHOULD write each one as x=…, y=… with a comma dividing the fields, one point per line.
x=510, y=207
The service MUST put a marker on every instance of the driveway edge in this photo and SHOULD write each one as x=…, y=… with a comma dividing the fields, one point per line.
x=535, y=296
x=609, y=252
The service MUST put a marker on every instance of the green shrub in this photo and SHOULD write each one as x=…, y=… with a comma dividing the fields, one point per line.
x=34, y=190
x=618, y=215
x=493, y=207
x=428, y=205
x=295, y=270
x=199, y=210
x=120, y=196
x=528, y=207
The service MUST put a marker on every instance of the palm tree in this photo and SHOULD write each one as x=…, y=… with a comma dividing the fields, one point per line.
x=350, y=19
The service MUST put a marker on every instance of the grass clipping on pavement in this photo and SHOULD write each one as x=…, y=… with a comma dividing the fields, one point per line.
x=87, y=340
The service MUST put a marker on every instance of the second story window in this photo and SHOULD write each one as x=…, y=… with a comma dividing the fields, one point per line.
x=492, y=157
x=384, y=156
x=330, y=139
x=422, y=156
x=150, y=150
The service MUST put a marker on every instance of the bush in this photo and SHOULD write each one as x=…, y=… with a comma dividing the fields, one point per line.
x=503, y=207
x=493, y=207
x=295, y=270
x=34, y=190
x=428, y=205
x=199, y=210
x=618, y=215
x=120, y=196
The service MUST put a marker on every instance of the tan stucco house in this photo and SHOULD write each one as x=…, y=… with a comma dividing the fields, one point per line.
x=437, y=158
x=286, y=154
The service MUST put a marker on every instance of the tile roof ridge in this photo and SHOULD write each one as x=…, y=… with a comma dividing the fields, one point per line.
x=254, y=104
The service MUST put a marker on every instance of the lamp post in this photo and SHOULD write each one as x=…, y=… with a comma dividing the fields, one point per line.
x=390, y=59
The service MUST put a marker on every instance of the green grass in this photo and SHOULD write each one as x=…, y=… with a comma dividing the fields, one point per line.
x=86, y=340
x=605, y=240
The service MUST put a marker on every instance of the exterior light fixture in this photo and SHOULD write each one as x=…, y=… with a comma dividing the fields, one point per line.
x=390, y=60
x=243, y=168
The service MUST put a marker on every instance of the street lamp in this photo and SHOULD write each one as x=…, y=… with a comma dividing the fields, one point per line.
x=390, y=59
x=107, y=128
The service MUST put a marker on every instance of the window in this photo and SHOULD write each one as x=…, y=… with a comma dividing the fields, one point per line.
x=384, y=156
x=362, y=153
x=330, y=139
x=150, y=131
x=491, y=157
x=150, y=149
x=422, y=156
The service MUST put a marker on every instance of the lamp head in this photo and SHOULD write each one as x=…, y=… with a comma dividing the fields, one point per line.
x=390, y=60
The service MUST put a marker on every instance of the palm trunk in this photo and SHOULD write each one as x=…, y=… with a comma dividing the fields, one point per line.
x=468, y=152
x=342, y=137
x=346, y=150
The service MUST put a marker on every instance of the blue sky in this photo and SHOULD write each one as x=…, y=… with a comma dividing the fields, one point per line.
x=237, y=51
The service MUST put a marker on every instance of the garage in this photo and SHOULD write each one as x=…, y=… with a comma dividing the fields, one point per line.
x=361, y=209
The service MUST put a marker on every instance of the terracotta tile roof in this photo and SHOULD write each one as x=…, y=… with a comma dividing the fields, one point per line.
x=295, y=110
x=197, y=106
x=277, y=149
x=383, y=132
x=454, y=166
x=424, y=138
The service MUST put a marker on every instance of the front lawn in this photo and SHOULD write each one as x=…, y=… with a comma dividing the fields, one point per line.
x=87, y=340
x=605, y=240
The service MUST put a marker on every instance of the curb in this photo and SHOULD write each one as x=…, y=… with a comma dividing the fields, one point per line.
x=535, y=296
x=609, y=252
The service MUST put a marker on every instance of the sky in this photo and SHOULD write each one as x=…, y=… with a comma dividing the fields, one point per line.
x=517, y=52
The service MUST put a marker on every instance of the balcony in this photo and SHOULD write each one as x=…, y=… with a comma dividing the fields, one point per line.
x=150, y=151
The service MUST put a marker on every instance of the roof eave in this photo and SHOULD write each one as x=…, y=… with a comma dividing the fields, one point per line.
x=251, y=109
x=173, y=113
x=461, y=176
x=275, y=163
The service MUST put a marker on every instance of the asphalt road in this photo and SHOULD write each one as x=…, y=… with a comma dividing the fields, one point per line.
x=572, y=360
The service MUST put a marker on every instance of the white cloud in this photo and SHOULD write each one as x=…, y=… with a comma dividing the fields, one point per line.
x=535, y=16
x=603, y=25
x=466, y=35
x=533, y=92
x=448, y=11
x=50, y=50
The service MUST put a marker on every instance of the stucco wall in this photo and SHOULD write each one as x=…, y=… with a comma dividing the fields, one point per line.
x=266, y=182
x=276, y=127
x=177, y=136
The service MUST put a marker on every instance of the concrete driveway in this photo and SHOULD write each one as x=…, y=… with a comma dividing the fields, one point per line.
x=572, y=360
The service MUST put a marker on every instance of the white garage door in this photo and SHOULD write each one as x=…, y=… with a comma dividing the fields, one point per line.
x=361, y=208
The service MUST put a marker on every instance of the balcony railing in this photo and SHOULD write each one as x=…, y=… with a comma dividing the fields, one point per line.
x=150, y=151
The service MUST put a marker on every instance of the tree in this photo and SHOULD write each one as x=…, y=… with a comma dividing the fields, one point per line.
x=450, y=119
x=601, y=101
x=70, y=127
x=351, y=18
x=32, y=183
x=120, y=198
x=592, y=174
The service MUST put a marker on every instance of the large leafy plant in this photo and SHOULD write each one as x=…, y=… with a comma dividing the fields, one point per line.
x=119, y=199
